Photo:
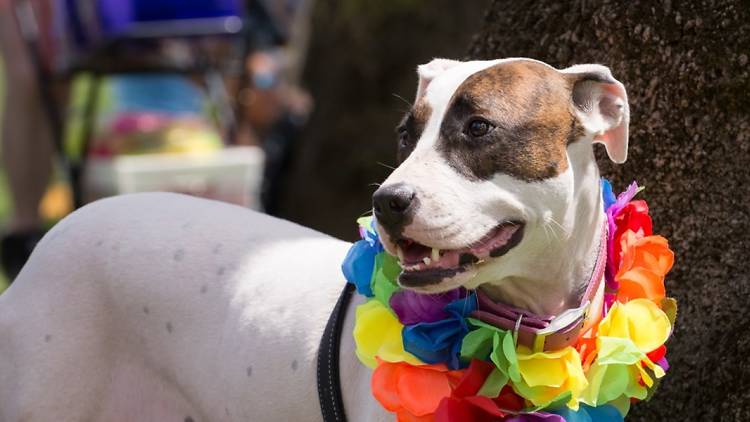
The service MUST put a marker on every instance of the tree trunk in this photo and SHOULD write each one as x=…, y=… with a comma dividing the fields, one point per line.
x=361, y=71
x=685, y=66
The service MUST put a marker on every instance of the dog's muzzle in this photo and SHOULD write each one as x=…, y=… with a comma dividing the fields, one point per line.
x=394, y=207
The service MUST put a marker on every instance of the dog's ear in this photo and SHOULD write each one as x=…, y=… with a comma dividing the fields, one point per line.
x=428, y=72
x=601, y=105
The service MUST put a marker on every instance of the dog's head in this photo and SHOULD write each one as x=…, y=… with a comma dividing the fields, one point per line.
x=491, y=154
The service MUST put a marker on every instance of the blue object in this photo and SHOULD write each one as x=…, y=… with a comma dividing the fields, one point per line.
x=117, y=16
x=440, y=341
x=359, y=265
x=607, y=194
x=163, y=93
x=585, y=413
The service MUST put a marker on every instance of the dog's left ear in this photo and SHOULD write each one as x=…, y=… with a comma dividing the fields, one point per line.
x=601, y=105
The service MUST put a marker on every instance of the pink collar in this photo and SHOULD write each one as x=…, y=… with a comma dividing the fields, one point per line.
x=547, y=332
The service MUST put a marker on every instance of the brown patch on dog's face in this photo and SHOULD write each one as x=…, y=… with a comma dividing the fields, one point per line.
x=513, y=118
x=411, y=128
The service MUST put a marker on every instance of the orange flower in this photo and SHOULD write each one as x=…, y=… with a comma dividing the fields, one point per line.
x=412, y=392
x=645, y=260
x=633, y=216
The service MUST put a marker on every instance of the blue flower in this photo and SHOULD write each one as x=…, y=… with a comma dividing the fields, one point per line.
x=607, y=194
x=368, y=233
x=585, y=413
x=440, y=341
x=359, y=264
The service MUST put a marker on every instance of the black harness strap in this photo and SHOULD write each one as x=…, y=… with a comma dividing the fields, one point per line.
x=329, y=385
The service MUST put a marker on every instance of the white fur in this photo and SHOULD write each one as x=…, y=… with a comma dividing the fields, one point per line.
x=152, y=307
x=563, y=214
x=160, y=307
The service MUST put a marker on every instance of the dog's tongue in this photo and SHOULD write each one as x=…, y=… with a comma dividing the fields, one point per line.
x=413, y=252
x=416, y=256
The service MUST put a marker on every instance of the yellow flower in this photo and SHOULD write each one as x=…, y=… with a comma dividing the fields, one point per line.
x=625, y=336
x=640, y=321
x=547, y=376
x=377, y=333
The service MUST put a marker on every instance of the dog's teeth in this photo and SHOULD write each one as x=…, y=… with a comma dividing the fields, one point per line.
x=435, y=254
x=400, y=254
x=426, y=260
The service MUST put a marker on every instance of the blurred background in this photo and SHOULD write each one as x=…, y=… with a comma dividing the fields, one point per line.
x=265, y=104
x=288, y=106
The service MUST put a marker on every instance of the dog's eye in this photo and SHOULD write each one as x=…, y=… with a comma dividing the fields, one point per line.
x=478, y=128
x=403, y=137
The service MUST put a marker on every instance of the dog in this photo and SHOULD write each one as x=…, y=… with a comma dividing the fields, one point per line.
x=164, y=307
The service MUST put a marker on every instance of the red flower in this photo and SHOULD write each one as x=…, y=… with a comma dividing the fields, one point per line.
x=657, y=354
x=465, y=405
x=633, y=216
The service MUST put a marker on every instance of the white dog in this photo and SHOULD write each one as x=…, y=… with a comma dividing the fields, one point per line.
x=162, y=307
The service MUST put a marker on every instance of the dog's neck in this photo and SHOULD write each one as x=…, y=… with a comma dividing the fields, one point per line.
x=555, y=276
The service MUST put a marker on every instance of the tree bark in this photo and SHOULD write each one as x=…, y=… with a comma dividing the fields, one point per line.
x=685, y=66
x=361, y=72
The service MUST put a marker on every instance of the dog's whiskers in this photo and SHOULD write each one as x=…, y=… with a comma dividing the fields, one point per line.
x=552, y=220
x=407, y=102
x=563, y=231
x=386, y=166
x=546, y=233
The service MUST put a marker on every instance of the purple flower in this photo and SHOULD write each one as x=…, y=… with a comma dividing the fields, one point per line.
x=536, y=417
x=413, y=308
x=612, y=211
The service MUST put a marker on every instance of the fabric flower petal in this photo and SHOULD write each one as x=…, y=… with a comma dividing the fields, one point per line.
x=453, y=409
x=433, y=342
x=383, y=278
x=421, y=389
x=639, y=320
x=404, y=416
x=440, y=341
x=384, y=386
x=413, y=308
x=536, y=417
x=645, y=262
x=605, y=413
x=547, y=376
x=412, y=392
x=607, y=194
x=473, y=378
x=368, y=233
x=377, y=333
x=358, y=266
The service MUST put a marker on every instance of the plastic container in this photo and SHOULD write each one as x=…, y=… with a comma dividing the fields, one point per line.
x=233, y=175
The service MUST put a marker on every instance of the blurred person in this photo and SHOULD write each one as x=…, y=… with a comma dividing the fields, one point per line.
x=273, y=106
x=27, y=144
x=275, y=113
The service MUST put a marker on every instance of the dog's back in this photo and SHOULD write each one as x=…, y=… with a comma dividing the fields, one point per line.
x=164, y=307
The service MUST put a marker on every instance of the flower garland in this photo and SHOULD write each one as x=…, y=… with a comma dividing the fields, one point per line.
x=433, y=362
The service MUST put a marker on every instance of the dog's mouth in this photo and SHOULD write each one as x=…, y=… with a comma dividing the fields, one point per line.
x=423, y=265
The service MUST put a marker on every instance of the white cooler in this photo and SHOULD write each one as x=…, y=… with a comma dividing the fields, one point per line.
x=232, y=174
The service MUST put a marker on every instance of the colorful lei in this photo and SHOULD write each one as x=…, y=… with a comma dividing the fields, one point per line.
x=433, y=362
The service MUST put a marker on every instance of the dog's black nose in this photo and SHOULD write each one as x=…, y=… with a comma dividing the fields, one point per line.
x=393, y=205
